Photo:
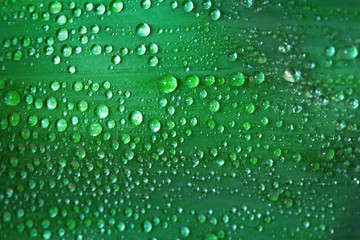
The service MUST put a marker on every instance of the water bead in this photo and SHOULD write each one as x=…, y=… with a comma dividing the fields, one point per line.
x=55, y=7
x=147, y=226
x=328, y=153
x=121, y=226
x=71, y=224
x=153, y=48
x=207, y=4
x=141, y=49
x=66, y=50
x=95, y=29
x=79, y=152
x=136, y=118
x=153, y=61
x=17, y=55
x=51, y=103
x=292, y=75
x=143, y=30
x=191, y=81
x=154, y=125
x=100, y=9
x=145, y=4
x=258, y=77
x=94, y=129
x=14, y=119
x=102, y=111
x=214, y=14
x=349, y=53
x=47, y=234
x=82, y=105
x=53, y=212
x=237, y=80
x=330, y=51
x=78, y=86
x=61, y=20
x=33, y=120
x=62, y=34
x=185, y=231
x=214, y=106
x=188, y=6
x=116, y=59
x=116, y=6
x=208, y=80
x=96, y=49
x=12, y=98
x=173, y=4
x=61, y=125
x=353, y=103
x=167, y=84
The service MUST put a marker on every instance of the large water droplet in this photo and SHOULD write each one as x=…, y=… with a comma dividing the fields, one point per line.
x=102, y=111
x=154, y=125
x=167, y=84
x=143, y=30
x=12, y=98
x=94, y=129
x=136, y=118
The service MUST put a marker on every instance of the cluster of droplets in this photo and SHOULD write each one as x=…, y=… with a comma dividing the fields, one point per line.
x=224, y=119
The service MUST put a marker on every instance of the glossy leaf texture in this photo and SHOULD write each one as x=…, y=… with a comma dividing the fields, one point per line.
x=159, y=119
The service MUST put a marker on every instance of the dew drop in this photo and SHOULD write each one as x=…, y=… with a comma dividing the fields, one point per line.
x=167, y=84
x=143, y=30
x=136, y=118
x=12, y=98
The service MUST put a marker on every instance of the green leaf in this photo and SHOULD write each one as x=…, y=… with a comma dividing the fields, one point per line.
x=159, y=119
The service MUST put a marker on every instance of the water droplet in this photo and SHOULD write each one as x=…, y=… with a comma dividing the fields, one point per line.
x=94, y=129
x=116, y=59
x=12, y=98
x=191, y=81
x=145, y=4
x=350, y=53
x=143, y=30
x=96, y=49
x=292, y=75
x=62, y=34
x=121, y=226
x=61, y=125
x=185, y=231
x=61, y=20
x=153, y=61
x=167, y=84
x=214, y=106
x=82, y=105
x=330, y=51
x=328, y=153
x=258, y=77
x=136, y=118
x=55, y=7
x=147, y=226
x=100, y=9
x=214, y=14
x=154, y=125
x=102, y=111
x=208, y=80
x=188, y=6
x=116, y=6
x=237, y=80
